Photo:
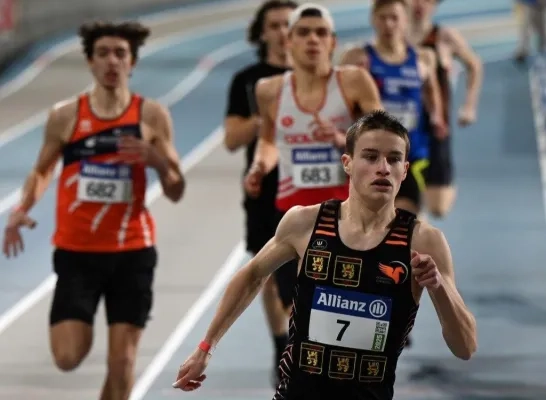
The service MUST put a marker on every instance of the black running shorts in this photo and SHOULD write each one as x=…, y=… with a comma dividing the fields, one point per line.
x=124, y=279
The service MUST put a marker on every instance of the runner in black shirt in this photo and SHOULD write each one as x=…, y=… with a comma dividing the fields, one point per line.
x=363, y=266
x=268, y=32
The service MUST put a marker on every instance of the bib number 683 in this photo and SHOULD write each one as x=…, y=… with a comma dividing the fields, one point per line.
x=316, y=175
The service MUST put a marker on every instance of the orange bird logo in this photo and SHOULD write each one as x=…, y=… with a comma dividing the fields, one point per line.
x=394, y=272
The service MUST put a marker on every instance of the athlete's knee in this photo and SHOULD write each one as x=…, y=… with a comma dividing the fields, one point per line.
x=70, y=343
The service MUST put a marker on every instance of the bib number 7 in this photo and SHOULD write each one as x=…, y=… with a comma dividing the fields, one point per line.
x=344, y=325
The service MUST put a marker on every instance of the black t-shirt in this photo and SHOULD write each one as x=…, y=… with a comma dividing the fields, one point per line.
x=242, y=103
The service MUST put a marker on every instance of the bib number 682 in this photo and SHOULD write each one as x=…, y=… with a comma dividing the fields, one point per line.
x=100, y=190
x=315, y=175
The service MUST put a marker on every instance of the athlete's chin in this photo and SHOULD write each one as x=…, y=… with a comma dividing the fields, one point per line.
x=377, y=196
x=109, y=85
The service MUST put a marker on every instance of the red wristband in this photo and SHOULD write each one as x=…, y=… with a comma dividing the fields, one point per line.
x=205, y=346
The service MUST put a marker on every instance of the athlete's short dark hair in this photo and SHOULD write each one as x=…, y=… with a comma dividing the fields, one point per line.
x=377, y=4
x=256, y=27
x=133, y=32
x=376, y=120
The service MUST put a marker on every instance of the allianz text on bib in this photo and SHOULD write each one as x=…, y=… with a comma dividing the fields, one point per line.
x=104, y=183
x=317, y=167
x=350, y=319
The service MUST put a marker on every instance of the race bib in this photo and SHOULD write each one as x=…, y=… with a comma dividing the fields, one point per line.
x=350, y=319
x=104, y=183
x=316, y=168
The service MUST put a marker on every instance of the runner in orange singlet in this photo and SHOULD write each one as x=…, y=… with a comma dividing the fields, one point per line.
x=105, y=237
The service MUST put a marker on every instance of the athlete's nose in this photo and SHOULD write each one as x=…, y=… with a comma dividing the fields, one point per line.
x=384, y=167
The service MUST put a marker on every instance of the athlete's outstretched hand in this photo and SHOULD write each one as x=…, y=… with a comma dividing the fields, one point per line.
x=190, y=375
x=13, y=241
x=425, y=271
x=253, y=179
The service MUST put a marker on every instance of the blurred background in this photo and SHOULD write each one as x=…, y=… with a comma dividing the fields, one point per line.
x=496, y=229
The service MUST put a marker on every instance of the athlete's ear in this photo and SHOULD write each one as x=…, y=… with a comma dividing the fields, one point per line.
x=347, y=162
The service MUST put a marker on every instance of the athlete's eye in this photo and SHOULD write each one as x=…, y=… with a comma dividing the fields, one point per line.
x=394, y=159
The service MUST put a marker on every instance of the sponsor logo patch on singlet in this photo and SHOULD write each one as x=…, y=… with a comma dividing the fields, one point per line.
x=350, y=319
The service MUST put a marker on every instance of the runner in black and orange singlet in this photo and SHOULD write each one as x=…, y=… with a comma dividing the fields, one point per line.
x=105, y=237
x=363, y=266
x=449, y=45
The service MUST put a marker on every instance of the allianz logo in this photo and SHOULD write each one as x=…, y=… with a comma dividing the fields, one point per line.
x=95, y=170
x=312, y=156
x=337, y=301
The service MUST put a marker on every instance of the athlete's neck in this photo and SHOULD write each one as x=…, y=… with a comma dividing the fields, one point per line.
x=419, y=29
x=370, y=217
x=109, y=103
x=395, y=48
x=309, y=79
x=281, y=60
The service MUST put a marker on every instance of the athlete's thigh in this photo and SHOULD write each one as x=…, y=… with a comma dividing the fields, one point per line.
x=129, y=293
x=80, y=284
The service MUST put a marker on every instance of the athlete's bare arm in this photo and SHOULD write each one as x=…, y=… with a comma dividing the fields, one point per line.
x=170, y=174
x=458, y=323
x=360, y=88
x=288, y=243
x=58, y=128
x=431, y=87
x=266, y=154
x=460, y=48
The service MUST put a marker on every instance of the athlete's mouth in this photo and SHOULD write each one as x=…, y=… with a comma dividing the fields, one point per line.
x=381, y=182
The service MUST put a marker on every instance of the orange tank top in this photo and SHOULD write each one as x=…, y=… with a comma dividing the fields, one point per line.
x=100, y=201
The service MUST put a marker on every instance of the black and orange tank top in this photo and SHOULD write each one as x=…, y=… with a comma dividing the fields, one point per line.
x=352, y=313
x=101, y=201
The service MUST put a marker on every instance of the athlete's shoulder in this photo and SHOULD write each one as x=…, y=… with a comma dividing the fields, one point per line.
x=353, y=54
x=64, y=111
x=268, y=88
x=299, y=219
x=152, y=110
x=450, y=36
x=427, y=238
x=353, y=76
